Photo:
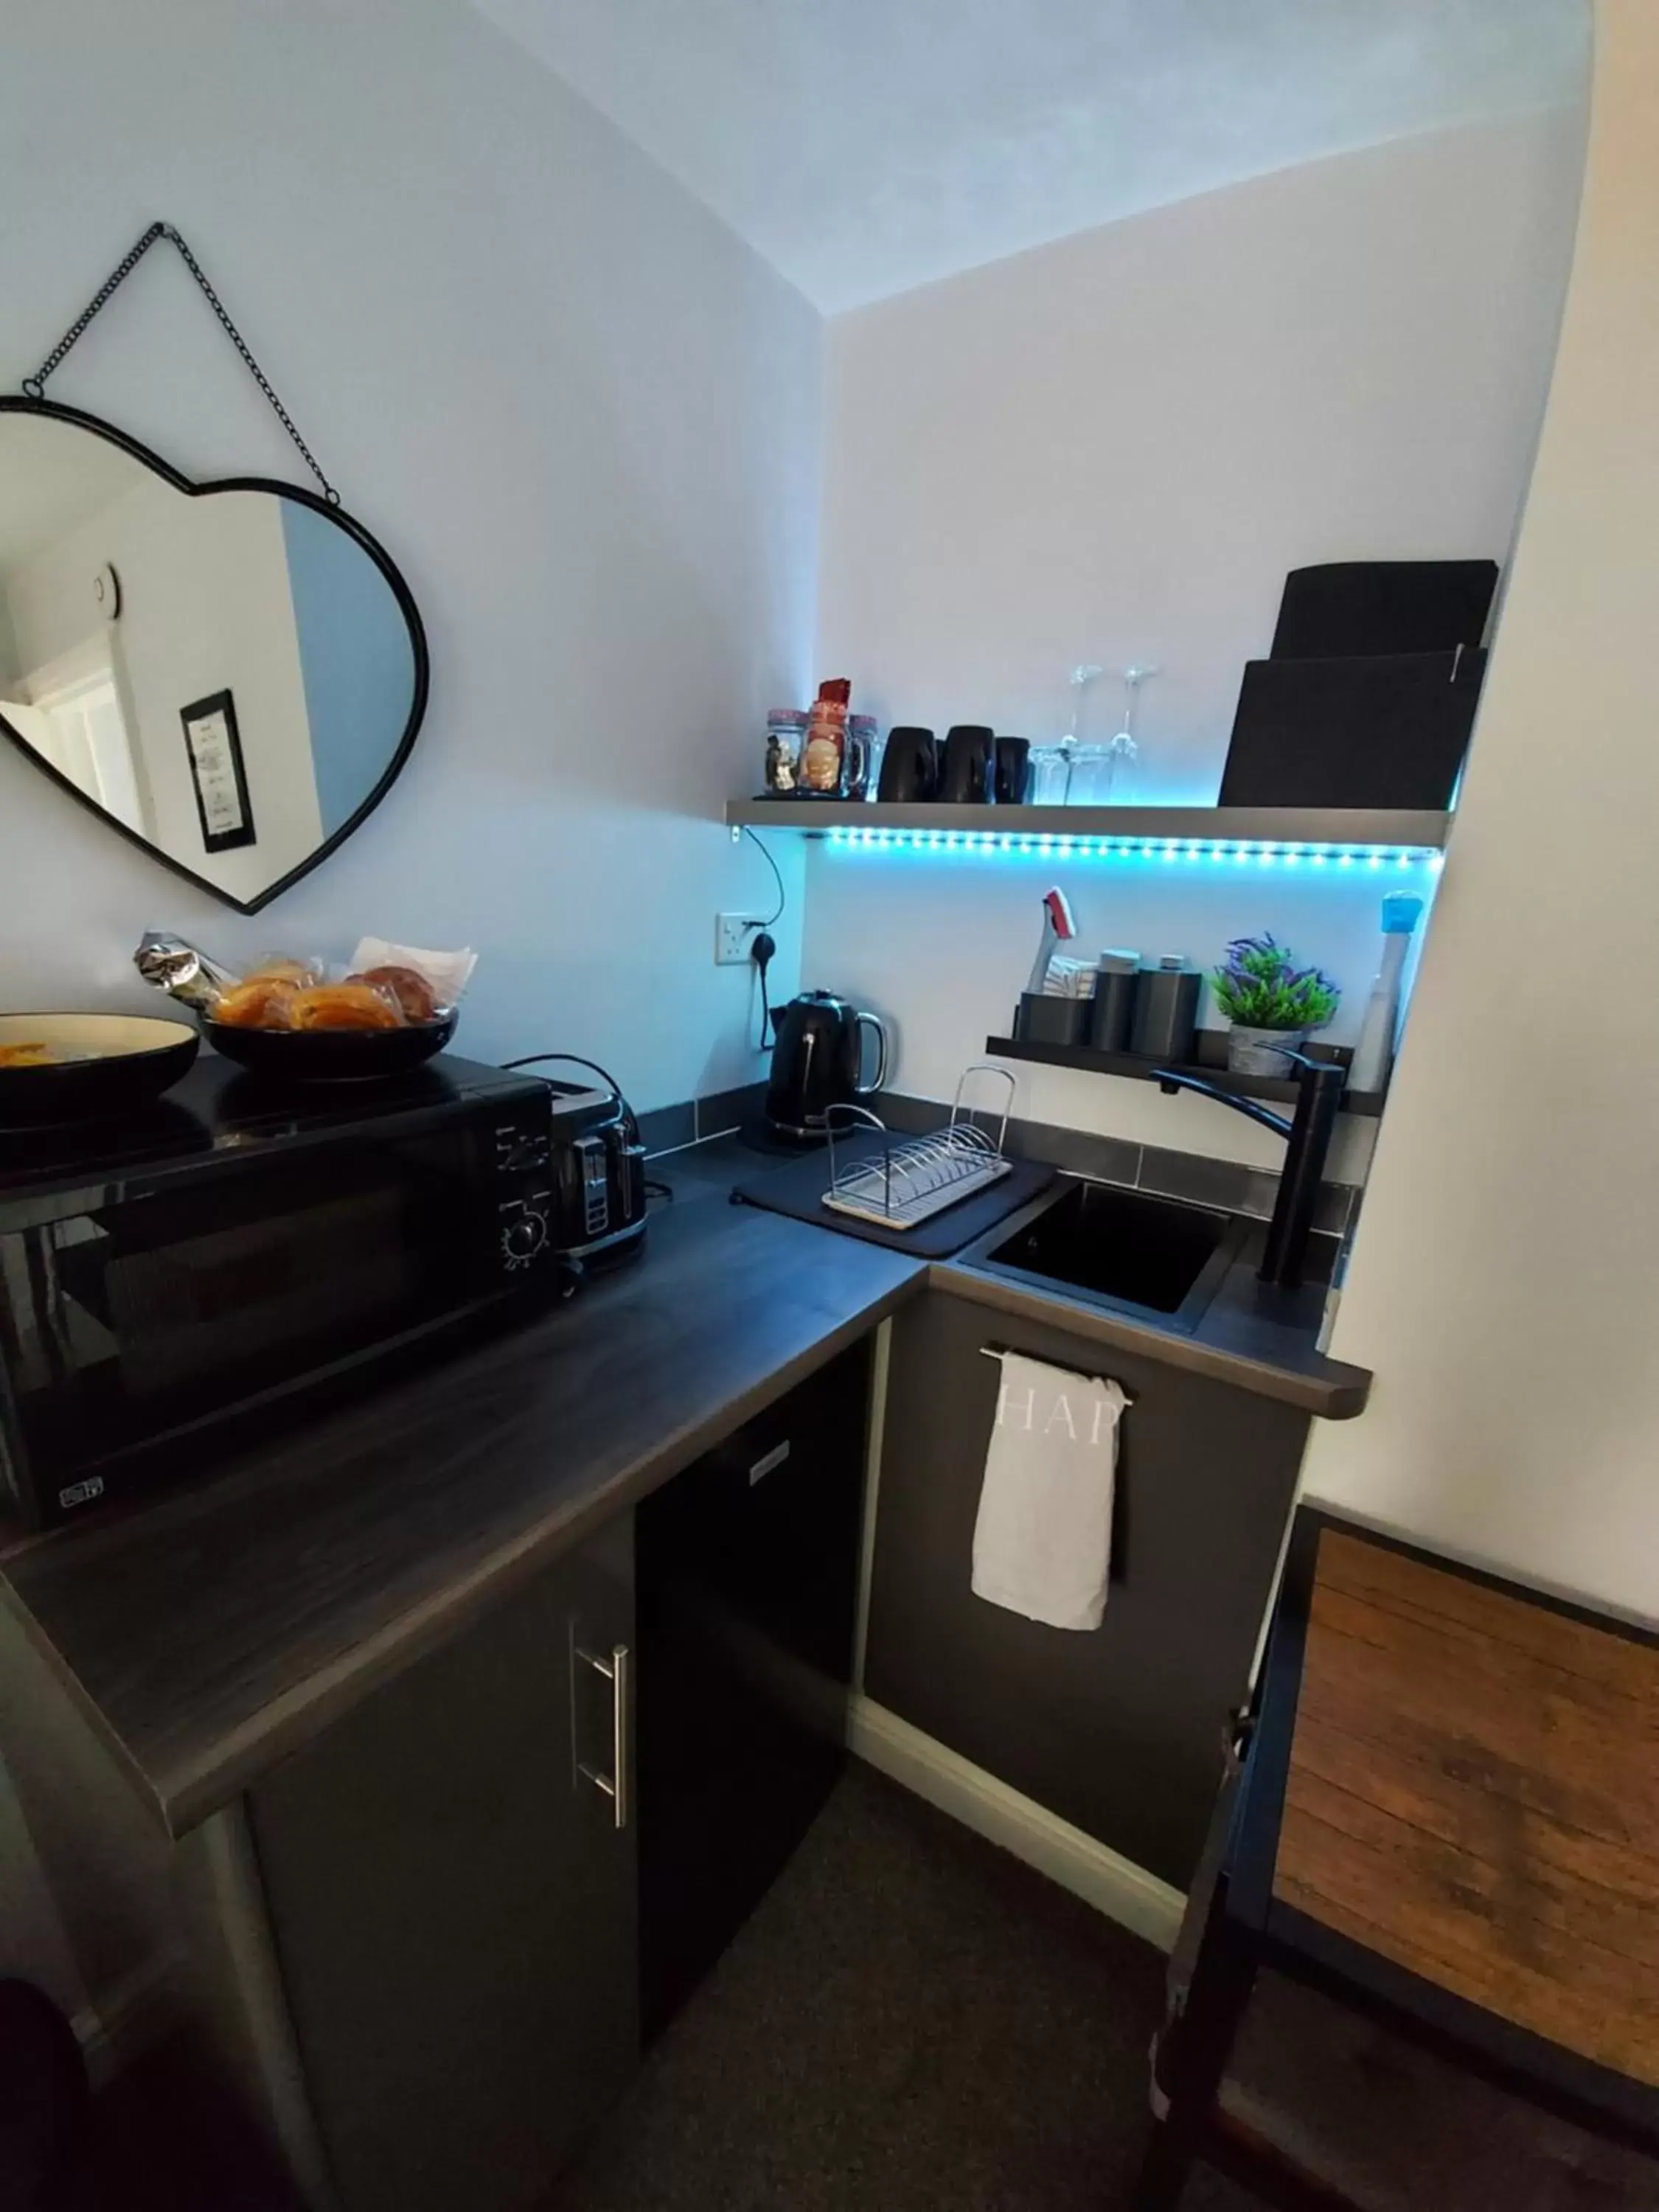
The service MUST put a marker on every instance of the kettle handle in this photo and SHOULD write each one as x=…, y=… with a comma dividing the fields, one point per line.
x=872, y=1021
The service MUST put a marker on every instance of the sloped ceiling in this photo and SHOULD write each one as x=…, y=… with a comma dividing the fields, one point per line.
x=866, y=146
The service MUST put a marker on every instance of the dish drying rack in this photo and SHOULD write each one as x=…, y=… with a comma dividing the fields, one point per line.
x=909, y=1183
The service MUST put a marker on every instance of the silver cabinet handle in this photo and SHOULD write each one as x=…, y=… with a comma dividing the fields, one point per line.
x=613, y=1666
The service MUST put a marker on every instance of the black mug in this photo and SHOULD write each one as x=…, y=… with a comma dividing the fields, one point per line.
x=965, y=775
x=1013, y=771
x=909, y=766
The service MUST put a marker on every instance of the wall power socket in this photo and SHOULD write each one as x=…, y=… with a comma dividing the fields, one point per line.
x=732, y=934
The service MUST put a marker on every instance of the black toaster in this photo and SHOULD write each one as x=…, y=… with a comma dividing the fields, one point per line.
x=597, y=1211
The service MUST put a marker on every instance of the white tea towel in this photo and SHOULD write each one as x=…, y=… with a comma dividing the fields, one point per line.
x=1042, y=1544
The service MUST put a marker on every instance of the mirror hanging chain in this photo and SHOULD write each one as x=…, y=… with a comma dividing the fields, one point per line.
x=34, y=386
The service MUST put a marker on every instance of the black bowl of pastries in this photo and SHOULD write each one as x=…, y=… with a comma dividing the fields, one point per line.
x=81, y=1067
x=284, y=1021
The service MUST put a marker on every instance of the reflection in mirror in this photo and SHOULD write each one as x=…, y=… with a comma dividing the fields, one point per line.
x=228, y=675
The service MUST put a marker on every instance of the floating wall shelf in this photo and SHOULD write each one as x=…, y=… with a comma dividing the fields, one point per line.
x=1130, y=1064
x=1268, y=835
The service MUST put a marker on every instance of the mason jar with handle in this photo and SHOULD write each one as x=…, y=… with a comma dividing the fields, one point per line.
x=857, y=765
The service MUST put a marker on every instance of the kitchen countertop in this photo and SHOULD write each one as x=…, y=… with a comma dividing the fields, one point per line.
x=1253, y=1334
x=218, y=1627
x=1260, y=1338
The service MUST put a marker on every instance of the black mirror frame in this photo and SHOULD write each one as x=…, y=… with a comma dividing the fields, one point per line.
x=13, y=405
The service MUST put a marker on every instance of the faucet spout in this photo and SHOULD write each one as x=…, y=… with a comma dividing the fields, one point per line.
x=1308, y=1133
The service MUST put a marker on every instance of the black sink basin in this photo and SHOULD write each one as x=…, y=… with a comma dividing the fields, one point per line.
x=1125, y=1246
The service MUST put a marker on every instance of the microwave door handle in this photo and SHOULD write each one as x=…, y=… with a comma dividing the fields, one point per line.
x=46, y=1290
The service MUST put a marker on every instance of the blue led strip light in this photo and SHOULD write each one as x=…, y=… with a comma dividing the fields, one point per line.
x=981, y=844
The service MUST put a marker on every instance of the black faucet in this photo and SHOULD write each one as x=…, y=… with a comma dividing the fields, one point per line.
x=1319, y=1087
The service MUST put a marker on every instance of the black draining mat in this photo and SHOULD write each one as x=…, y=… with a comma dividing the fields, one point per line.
x=798, y=1190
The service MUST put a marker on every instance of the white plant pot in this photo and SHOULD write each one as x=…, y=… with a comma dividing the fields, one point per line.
x=1263, y=1052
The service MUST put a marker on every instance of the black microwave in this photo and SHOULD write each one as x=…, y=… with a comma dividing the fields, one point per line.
x=165, y=1285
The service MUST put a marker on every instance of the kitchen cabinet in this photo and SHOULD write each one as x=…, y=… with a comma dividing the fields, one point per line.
x=748, y=1592
x=1118, y=1730
x=449, y=1873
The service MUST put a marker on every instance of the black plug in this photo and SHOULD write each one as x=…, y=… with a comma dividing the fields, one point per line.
x=761, y=949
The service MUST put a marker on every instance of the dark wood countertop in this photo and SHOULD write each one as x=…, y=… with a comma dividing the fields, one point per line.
x=222, y=1626
x=1259, y=1337
x=219, y=1627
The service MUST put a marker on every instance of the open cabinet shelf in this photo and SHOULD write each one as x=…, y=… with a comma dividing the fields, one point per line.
x=1057, y=829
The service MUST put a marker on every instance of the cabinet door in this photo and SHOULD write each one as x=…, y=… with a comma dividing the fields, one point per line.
x=453, y=1905
x=1119, y=1729
x=748, y=1596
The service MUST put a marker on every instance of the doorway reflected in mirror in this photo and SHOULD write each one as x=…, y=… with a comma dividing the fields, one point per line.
x=132, y=602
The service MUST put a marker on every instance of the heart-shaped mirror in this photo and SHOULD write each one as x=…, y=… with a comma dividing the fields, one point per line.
x=231, y=675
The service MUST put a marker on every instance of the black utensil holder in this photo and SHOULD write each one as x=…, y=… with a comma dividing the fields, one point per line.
x=1044, y=1020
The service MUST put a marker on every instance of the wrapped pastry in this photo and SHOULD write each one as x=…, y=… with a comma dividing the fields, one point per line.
x=276, y=968
x=356, y=1005
x=414, y=995
x=447, y=973
x=258, y=1002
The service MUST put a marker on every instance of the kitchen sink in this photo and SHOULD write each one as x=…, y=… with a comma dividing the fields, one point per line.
x=1158, y=1255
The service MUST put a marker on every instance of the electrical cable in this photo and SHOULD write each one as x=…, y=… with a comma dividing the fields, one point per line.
x=531, y=1059
x=762, y=949
x=777, y=878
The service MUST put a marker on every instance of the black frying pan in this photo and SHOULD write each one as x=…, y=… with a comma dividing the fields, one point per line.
x=109, y=1065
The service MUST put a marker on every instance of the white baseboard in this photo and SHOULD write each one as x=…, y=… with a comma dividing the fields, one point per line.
x=1113, y=1884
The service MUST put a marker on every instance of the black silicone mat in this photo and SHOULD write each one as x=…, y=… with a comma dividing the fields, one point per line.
x=798, y=1190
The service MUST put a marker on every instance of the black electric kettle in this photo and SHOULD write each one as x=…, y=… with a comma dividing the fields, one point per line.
x=817, y=1061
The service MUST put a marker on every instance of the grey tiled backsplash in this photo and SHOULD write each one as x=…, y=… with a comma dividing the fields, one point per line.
x=666, y=1129
x=1193, y=1175
x=1207, y=1182
x=671, y=1128
x=728, y=1110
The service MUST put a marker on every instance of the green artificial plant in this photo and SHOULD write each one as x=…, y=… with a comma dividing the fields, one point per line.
x=1260, y=987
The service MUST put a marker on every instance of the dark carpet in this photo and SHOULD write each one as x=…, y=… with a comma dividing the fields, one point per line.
x=911, y=2019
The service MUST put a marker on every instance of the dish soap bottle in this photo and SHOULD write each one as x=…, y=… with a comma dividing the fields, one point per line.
x=1374, y=1054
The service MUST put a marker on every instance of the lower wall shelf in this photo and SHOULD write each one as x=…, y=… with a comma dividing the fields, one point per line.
x=1132, y=1065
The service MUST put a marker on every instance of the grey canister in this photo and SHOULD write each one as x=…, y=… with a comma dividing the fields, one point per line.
x=1045, y=1019
x=1166, y=1025
x=1116, y=985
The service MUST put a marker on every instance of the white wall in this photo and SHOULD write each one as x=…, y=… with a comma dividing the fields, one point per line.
x=1506, y=1282
x=1114, y=448
x=579, y=413
x=942, y=947
x=205, y=607
x=8, y=667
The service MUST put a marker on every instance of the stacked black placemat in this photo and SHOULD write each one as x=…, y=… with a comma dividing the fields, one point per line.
x=1369, y=697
